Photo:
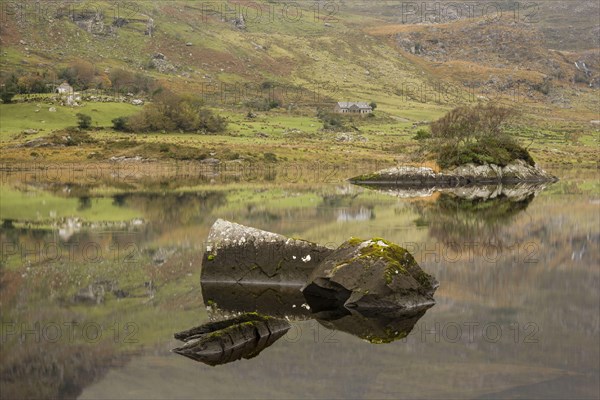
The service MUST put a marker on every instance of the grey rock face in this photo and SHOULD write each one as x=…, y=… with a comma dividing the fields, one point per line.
x=516, y=172
x=237, y=253
x=369, y=275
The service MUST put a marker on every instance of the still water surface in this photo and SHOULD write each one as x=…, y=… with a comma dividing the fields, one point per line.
x=95, y=281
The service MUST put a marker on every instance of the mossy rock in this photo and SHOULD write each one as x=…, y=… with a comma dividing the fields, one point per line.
x=225, y=341
x=370, y=274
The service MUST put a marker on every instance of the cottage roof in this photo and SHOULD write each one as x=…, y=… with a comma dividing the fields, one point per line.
x=349, y=104
x=65, y=85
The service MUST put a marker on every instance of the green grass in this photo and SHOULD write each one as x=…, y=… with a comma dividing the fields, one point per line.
x=20, y=116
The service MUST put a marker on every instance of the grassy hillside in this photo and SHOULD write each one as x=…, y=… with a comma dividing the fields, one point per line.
x=305, y=57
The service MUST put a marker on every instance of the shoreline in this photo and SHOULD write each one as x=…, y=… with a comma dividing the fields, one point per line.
x=465, y=175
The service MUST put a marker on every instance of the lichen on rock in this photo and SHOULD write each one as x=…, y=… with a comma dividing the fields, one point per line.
x=369, y=274
x=242, y=254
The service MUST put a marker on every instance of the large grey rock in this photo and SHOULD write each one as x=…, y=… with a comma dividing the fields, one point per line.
x=517, y=171
x=237, y=253
x=369, y=275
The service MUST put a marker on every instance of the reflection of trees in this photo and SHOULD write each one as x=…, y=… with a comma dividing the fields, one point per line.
x=172, y=208
x=454, y=219
x=84, y=203
x=350, y=205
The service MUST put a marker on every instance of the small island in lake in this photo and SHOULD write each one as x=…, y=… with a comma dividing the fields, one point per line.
x=471, y=147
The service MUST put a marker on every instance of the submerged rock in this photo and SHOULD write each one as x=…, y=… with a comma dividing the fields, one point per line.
x=237, y=253
x=221, y=342
x=369, y=275
x=469, y=174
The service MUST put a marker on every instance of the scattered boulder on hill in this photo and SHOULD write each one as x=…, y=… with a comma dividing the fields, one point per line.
x=239, y=23
x=159, y=62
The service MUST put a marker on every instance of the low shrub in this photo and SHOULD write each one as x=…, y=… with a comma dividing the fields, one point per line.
x=474, y=134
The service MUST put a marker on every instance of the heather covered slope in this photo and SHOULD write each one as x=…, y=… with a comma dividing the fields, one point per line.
x=336, y=49
x=309, y=57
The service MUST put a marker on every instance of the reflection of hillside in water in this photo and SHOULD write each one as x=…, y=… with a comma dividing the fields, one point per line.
x=169, y=208
x=50, y=370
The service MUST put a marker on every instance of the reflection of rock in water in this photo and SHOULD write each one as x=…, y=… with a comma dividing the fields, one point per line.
x=237, y=253
x=517, y=171
x=483, y=192
x=278, y=301
x=222, y=342
x=373, y=327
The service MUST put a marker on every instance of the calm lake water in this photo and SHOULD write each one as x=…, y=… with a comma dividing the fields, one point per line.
x=96, y=279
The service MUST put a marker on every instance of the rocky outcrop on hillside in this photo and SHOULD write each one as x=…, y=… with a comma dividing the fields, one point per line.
x=161, y=64
x=517, y=171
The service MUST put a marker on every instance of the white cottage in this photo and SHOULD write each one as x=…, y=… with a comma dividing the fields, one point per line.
x=64, y=88
x=353, y=108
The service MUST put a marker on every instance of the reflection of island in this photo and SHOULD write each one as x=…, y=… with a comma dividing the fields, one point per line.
x=456, y=219
x=481, y=192
x=468, y=213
